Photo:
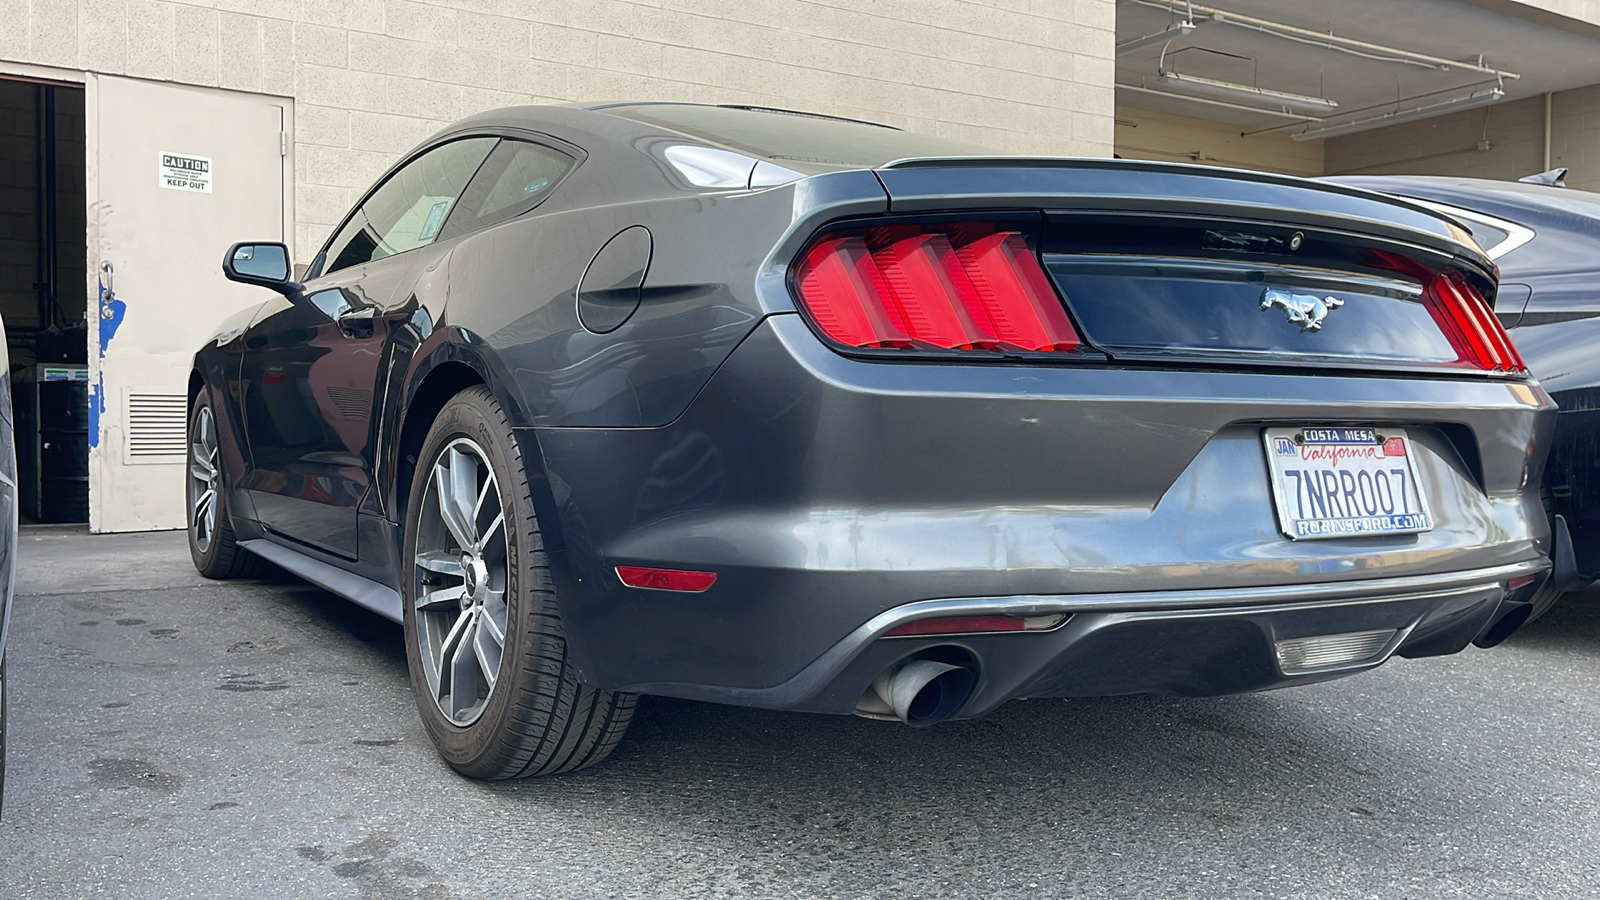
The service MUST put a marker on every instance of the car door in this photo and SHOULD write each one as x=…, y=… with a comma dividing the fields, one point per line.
x=311, y=367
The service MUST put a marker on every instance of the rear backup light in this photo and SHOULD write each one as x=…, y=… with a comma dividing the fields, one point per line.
x=1462, y=313
x=666, y=579
x=976, y=625
x=1300, y=656
x=961, y=287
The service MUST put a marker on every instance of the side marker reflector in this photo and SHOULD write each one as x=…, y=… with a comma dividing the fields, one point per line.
x=666, y=579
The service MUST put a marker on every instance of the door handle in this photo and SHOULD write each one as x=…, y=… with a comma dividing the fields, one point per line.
x=357, y=323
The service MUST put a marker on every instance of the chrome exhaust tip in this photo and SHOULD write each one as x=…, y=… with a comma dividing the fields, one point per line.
x=920, y=693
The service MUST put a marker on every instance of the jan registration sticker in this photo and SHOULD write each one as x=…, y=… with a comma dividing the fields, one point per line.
x=1345, y=482
x=184, y=172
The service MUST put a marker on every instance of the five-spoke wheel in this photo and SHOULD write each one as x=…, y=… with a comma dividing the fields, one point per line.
x=485, y=639
x=460, y=588
x=212, y=546
x=203, y=478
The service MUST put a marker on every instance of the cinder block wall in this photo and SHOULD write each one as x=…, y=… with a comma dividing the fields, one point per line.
x=1511, y=134
x=372, y=77
x=1145, y=134
x=1514, y=142
x=1575, y=136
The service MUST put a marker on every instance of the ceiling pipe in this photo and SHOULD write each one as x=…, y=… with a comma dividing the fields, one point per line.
x=1173, y=32
x=1333, y=42
x=1395, y=117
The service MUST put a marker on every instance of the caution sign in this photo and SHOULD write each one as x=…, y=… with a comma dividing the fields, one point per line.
x=183, y=172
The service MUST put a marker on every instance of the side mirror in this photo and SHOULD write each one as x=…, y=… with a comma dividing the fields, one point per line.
x=263, y=265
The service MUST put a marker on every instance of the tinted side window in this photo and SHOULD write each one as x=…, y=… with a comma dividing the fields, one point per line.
x=410, y=209
x=516, y=177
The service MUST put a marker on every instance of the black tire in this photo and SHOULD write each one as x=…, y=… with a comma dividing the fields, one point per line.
x=535, y=718
x=1546, y=596
x=214, y=549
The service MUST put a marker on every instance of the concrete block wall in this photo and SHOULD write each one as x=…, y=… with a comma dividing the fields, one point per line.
x=1448, y=145
x=1575, y=136
x=1500, y=141
x=372, y=77
x=1145, y=134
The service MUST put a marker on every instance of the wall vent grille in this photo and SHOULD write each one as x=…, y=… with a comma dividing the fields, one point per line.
x=157, y=425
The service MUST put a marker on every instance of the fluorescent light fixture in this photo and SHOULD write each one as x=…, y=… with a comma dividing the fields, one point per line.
x=1480, y=97
x=1260, y=98
x=1173, y=31
x=1299, y=119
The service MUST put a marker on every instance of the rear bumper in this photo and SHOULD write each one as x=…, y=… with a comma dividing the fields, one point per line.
x=1186, y=643
x=826, y=492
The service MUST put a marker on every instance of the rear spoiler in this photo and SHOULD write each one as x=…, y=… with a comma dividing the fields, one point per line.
x=1069, y=183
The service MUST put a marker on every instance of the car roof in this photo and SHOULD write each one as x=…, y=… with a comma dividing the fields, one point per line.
x=805, y=141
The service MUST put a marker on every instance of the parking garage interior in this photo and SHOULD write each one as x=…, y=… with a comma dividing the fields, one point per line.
x=1483, y=88
x=43, y=293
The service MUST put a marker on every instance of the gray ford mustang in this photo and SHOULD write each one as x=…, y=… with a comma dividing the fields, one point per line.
x=796, y=412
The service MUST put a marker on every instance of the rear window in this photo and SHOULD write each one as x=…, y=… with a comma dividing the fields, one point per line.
x=796, y=136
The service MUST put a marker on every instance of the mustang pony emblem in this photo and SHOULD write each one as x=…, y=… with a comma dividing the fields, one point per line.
x=1304, y=310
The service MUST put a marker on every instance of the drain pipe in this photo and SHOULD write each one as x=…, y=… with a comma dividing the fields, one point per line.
x=1547, y=106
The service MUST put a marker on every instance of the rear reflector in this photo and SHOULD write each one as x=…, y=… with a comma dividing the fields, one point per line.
x=1520, y=581
x=960, y=287
x=666, y=579
x=976, y=625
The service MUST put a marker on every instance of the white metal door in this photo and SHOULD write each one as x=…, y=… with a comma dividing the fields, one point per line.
x=175, y=175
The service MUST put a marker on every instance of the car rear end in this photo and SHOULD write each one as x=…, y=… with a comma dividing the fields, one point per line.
x=1057, y=428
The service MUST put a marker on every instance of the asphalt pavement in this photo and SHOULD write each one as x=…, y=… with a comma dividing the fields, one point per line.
x=173, y=737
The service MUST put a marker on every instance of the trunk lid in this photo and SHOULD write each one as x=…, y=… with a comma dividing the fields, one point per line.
x=1194, y=265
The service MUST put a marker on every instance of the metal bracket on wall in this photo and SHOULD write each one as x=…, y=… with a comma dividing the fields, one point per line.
x=108, y=295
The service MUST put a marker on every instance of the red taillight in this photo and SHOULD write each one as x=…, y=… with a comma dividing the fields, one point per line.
x=963, y=287
x=666, y=579
x=1462, y=313
x=1469, y=323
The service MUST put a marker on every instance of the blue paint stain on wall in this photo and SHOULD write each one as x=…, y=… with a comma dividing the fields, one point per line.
x=97, y=390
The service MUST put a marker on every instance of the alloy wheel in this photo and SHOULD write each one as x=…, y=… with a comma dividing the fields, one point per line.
x=459, y=581
x=203, y=479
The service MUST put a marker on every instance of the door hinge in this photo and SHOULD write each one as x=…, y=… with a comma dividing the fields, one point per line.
x=283, y=145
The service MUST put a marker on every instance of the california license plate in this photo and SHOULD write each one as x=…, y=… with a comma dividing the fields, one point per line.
x=1332, y=482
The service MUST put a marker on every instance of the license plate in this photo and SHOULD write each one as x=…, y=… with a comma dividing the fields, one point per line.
x=1333, y=482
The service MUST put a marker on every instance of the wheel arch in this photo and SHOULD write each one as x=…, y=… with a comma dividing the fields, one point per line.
x=453, y=364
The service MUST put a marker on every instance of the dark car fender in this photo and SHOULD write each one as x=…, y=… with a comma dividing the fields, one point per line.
x=448, y=361
x=216, y=372
x=441, y=363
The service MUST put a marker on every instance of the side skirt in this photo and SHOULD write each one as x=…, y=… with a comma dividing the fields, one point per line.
x=381, y=599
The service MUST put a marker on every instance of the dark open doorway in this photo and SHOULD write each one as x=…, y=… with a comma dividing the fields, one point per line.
x=43, y=292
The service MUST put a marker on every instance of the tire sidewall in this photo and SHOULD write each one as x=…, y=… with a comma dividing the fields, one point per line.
x=473, y=415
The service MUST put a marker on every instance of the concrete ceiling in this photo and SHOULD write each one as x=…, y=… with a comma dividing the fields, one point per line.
x=1546, y=58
